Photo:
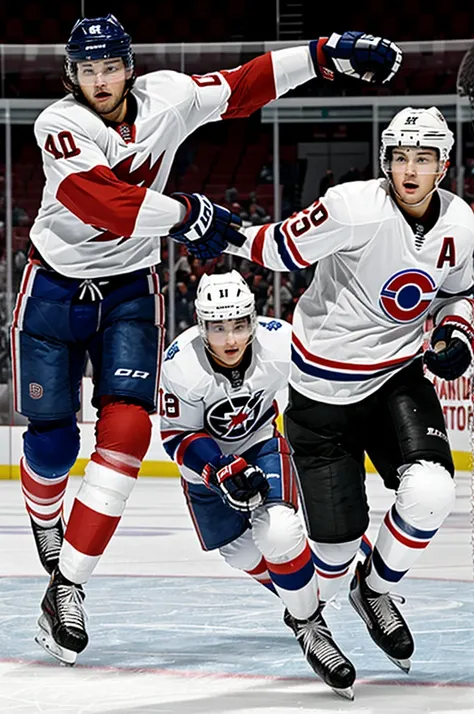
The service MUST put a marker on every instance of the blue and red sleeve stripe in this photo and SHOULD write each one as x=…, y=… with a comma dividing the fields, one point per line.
x=191, y=449
x=285, y=245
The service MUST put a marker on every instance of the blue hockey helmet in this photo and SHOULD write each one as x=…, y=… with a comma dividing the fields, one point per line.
x=97, y=38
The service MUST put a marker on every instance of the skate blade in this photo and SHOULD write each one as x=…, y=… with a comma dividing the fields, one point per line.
x=347, y=693
x=403, y=664
x=45, y=640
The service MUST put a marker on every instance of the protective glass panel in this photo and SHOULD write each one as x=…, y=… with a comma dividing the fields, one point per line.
x=266, y=166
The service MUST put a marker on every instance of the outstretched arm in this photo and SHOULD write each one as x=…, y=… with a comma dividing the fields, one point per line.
x=302, y=239
x=238, y=92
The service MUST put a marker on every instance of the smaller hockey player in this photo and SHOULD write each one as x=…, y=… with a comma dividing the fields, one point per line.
x=219, y=388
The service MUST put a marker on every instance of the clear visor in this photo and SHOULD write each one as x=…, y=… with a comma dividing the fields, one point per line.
x=413, y=161
x=223, y=332
x=106, y=71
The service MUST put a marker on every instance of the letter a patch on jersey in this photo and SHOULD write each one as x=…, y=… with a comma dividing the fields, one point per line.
x=447, y=254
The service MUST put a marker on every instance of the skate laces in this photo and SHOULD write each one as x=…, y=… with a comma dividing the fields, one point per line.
x=385, y=611
x=69, y=599
x=315, y=638
x=50, y=541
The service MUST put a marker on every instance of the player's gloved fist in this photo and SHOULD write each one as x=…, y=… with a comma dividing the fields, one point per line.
x=449, y=354
x=244, y=486
x=372, y=59
x=207, y=228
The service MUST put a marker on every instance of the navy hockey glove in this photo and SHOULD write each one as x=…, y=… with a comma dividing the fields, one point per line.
x=207, y=228
x=449, y=354
x=244, y=486
x=372, y=59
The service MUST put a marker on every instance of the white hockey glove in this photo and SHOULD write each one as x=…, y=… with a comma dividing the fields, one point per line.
x=372, y=59
x=207, y=228
x=244, y=486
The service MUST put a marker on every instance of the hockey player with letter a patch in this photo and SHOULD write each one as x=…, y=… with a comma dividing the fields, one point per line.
x=390, y=252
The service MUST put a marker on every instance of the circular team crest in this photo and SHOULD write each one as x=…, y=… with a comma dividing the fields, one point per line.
x=407, y=295
x=233, y=419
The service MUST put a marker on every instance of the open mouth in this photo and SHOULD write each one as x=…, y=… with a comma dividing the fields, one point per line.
x=102, y=95
x=410, y=186
x=231, y=352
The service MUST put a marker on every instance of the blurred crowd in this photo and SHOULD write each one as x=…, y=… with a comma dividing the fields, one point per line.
x=187, y=270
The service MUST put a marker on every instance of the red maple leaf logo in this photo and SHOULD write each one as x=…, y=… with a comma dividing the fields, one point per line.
x=143, y=175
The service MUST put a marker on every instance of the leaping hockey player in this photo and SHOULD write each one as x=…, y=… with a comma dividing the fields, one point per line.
x=220, y=382
x=389, y=253
x=90, y=289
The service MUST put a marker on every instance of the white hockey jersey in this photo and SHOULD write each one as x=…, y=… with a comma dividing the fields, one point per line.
x=197, y=402
x=362, y=317
x=103, y=211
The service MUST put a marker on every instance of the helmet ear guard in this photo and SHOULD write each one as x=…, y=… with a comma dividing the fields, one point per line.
x=93, y=39
x=222, y=297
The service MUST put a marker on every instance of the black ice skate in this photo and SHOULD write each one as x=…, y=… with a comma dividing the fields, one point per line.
x=384, y=622
x=62, y=622
x=322, y=653
x=48, y=543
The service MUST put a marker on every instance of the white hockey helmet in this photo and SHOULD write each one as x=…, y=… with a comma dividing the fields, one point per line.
x=425, y=128
x=224, y=296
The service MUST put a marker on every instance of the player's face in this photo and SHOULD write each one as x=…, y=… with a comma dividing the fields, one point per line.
x=414, y=172
x=228, y=340
x=103, y=83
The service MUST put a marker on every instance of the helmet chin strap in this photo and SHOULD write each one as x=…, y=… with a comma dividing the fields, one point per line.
x=418, y=203
x=441, y=176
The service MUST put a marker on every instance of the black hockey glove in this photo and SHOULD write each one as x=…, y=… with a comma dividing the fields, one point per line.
x=372, y=59
x=244, y=486
x=449, y=355
x=207, y=228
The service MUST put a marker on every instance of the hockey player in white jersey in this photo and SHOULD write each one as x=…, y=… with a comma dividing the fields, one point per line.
x=389, y=253
x=219, y=388
x=91, y=288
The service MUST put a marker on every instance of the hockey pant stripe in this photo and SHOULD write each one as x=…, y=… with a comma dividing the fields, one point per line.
x=26, y=288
